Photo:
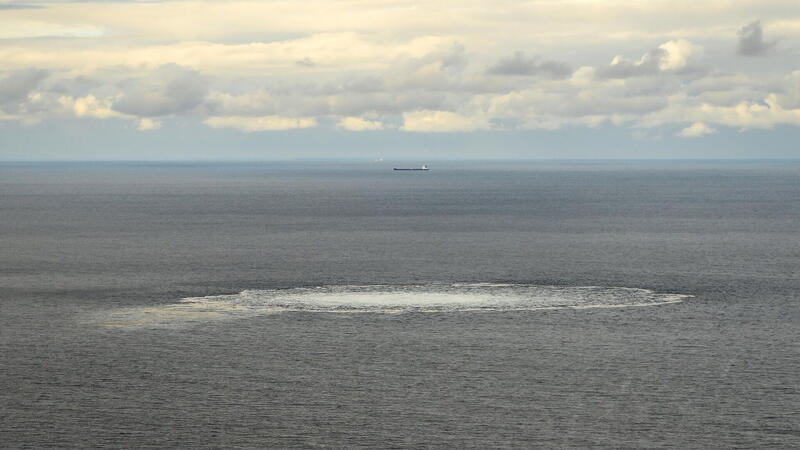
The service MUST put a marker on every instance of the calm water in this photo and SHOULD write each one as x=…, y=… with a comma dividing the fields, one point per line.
x=477, y=305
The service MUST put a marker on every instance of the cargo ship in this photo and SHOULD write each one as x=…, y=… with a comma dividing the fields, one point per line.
x=424, y=167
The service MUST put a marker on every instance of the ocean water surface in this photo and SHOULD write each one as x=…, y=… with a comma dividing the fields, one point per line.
x=341, y=304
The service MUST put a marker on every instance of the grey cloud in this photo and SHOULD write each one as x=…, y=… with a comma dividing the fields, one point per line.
x=436, y=70
x=18, y=84
x=455, y=58
x=17, y=6
x=692, y=71
x=170, y=89
x=727, y=89
x=789, y=93
x=604, y=101
x=363, y=84
x=345, y=84
x=358, y=104
x=544, y=107
x=649, y=86
x=729, y=98
x=719, y=82
x=616, y=105
x=258, y=103
x=519, y=64
x=751, y=40
x=357, y=84
x=387, y=103
x=304, y=106
x=348, y=96
x=305, y=62
x=78, y=86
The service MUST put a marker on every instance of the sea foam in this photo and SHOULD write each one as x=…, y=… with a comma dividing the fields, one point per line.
x=385, y=299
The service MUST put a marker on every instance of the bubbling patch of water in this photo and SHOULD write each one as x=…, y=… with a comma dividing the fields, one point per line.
x=383, y=299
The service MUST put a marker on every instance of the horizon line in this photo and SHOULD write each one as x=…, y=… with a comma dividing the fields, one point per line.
x=344, y=159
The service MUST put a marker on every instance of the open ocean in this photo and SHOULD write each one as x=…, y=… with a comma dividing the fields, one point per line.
x=344, y=305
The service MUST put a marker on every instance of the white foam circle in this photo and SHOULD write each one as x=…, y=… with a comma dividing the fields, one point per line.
x=382, y=299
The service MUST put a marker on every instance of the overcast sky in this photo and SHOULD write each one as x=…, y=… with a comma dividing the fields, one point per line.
x=399, y=79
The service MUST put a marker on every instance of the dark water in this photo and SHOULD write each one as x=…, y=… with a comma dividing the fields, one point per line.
x=79, y=242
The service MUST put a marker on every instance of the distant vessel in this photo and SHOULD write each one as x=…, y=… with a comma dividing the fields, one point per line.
x=424, y=167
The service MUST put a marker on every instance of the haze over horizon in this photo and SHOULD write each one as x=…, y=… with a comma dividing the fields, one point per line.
x=398, y=79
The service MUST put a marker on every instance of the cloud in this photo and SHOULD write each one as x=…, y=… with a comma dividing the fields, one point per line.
x=441, y=121
x=519, y=64
x=677, y=54
x=765, y=114
x=751, y=40
x=266, y=123
x=436, y=70
x=578, y=102
x=146, y=124
x=621, y=67
x=33, y=29
x=253, y=66
x=90, y=106
x=788, y=95
x=348, y=51
x=77, y=86
x=696, y=129
x=364, y=84
x=255, y=103
x=305, y=62
x=359, y=124
x=170, y=89
x=502, y=21
x=16, y=85
x=5, y=5
x=672, y=55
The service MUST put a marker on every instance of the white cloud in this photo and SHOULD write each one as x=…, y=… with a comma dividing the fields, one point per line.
x=266, y=123
x=195, y=20
x=696, y=129
x=441, y=121
x=677, y=54
x=670, y=56
x=328, y=51
x=146, y=124
x=748, y=115
x=16, y=29
x=359, y=124
x=283, y=64
x=89, y=106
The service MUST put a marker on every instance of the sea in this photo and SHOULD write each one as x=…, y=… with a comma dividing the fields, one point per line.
x=341, y=304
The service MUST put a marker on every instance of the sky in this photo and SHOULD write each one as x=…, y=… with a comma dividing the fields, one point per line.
x=399, y=79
